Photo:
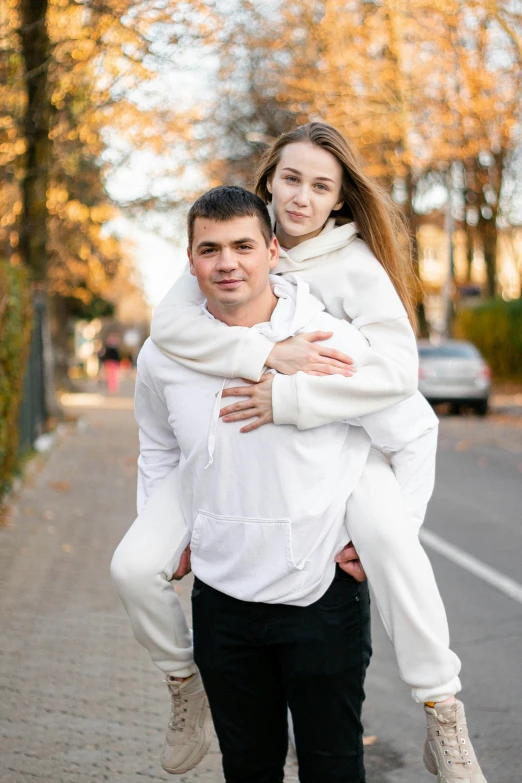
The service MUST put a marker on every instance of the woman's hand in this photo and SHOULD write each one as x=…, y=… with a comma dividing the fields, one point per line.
x=300, y=353
x=258, y=403
x=349, y=562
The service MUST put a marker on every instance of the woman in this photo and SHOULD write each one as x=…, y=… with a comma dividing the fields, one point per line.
x=339, y=232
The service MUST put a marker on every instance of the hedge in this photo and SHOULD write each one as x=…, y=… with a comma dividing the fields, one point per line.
x=15, y=337
x=495, y=327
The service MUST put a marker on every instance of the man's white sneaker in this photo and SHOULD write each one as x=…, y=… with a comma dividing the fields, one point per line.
x=448, y=752
x=190, y=727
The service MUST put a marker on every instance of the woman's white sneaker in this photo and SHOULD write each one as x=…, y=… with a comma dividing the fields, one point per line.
x=190, y=727
x=448, y=752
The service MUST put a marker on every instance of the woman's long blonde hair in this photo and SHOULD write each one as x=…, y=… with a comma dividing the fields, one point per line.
x=379, y=220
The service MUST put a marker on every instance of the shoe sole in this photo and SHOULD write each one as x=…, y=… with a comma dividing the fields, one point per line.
x=200, y=751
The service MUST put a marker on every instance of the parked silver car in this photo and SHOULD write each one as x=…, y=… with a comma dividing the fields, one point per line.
x=454, y=371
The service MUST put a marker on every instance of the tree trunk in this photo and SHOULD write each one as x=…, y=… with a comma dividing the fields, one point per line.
x=36, y=54
x=488, y=224
x=489, y=245
x=411, y=216
x=34, y=220
x=60, y=318
x=470, y=251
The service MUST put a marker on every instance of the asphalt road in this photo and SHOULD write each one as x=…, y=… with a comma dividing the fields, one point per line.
x=477, y=507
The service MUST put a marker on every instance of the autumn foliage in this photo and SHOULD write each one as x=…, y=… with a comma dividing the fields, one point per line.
x=100, y=56
x=428, y=90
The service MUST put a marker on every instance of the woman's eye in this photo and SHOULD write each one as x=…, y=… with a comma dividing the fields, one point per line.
x=321, y=186
x=291, y=179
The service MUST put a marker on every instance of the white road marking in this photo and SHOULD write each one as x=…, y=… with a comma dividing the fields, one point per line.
x=489, y=575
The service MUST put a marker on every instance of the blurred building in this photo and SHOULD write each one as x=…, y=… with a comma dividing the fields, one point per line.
x=469, y=276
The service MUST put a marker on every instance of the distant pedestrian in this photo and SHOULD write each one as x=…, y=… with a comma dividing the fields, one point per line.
x=111, y=359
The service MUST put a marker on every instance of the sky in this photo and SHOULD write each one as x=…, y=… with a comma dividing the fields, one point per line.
x=159, y=262
x=158, y=240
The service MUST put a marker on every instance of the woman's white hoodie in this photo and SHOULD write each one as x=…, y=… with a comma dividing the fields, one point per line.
x=344, y=274
x=264, y=510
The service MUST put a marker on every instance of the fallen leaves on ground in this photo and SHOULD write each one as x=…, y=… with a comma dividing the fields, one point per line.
x=60, y=486
x=462, y=445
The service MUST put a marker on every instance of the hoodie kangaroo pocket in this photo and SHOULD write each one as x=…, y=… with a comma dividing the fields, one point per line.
x=246, y=557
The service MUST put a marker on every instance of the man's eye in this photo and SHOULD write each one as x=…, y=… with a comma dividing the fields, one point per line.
x=207, y=251
x=245, y=247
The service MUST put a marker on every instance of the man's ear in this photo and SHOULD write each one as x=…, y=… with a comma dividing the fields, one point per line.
x=273, y=250
x=191, y=262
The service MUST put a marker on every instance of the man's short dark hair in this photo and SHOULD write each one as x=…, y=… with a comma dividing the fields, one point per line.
x=226, y=202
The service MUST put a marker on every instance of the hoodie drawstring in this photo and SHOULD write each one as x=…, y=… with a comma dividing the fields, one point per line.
x=211, y=443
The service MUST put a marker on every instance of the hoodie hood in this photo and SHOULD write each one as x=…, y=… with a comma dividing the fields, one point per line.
x=332, y=237
x=295, y=307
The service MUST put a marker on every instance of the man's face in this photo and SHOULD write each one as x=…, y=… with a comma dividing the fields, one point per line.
x=231, y=261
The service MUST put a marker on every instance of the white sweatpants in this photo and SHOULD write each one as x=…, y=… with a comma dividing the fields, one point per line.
x=385, y=532
x=386, y=538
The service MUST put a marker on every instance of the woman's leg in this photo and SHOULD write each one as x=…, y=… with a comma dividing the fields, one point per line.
x=142, y=568
x=403, y=583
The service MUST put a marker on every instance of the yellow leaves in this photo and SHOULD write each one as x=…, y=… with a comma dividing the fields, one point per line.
x=77, y=211
x=83, y=49
x=102, y=213
x=84, y=251
x=57, y=196
x=8, y=219
x=412, y=76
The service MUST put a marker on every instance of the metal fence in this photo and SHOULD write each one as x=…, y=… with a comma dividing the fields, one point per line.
x=33, y=410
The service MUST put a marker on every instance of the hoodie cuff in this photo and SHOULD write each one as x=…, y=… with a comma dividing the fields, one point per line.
x=284, y=399
x=251, y=359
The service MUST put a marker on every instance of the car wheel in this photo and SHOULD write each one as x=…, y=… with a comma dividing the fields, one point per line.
x=482, y=407
x=455, y=409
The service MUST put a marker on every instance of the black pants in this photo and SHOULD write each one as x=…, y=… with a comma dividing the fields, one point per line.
x=255, y=659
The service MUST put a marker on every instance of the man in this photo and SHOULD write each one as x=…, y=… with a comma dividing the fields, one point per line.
x=276, y=623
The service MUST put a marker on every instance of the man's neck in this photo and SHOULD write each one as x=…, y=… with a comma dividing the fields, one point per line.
x=248, y=314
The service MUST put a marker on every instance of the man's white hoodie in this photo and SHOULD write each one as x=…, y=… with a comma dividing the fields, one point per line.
x=264, y=510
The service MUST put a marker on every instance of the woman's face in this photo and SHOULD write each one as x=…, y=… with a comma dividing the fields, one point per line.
x=305, y=188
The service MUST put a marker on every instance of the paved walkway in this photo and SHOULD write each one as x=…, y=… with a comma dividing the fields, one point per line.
x=81, y=702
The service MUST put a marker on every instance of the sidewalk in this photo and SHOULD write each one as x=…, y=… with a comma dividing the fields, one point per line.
x=81, y=701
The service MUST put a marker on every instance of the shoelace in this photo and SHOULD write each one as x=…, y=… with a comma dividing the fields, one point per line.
x=454, y=745
x=177, y=714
